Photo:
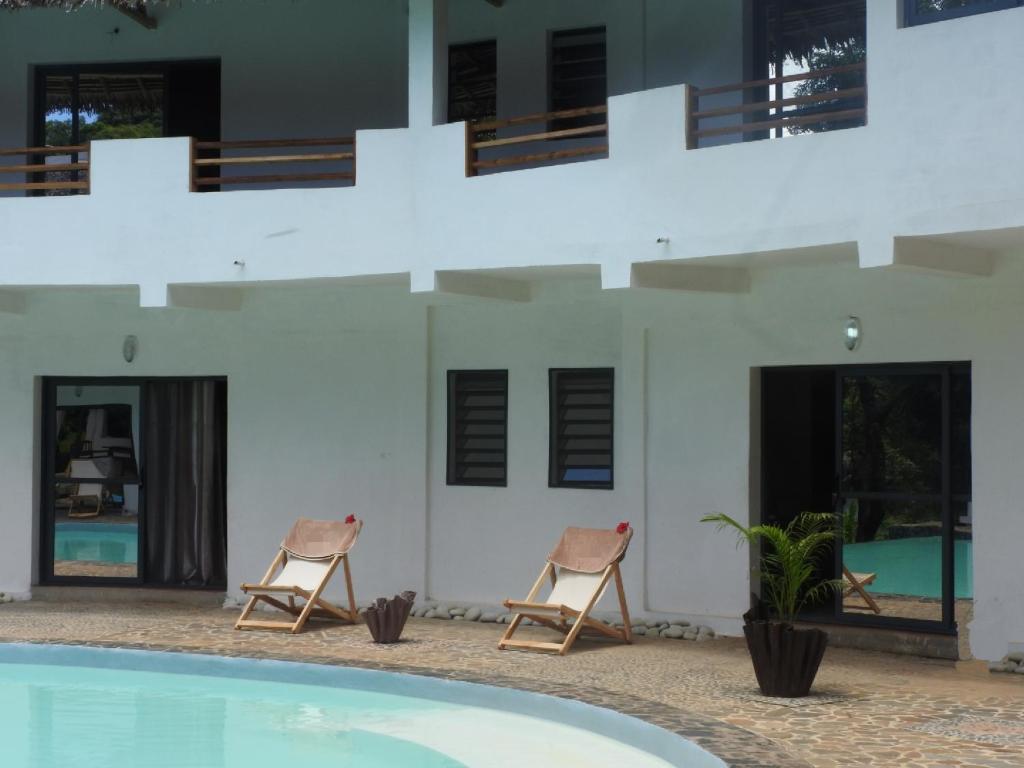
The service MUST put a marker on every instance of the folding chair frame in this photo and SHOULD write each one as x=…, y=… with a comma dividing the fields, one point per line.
x=582, y=621
x=852, y=584
x=84, y=510
x=315, y=606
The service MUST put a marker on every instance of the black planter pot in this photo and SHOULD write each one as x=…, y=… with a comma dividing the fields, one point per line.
x=386, y=618
x=785, y=659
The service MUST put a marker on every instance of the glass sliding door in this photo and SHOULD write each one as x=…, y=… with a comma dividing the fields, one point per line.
x=894, y=509
x=887, y=449
x=94, y=486
x=134, y=484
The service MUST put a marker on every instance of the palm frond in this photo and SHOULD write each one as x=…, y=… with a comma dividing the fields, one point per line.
x=788, y=558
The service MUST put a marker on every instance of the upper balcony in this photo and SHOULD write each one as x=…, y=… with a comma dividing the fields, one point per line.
x=345, y=139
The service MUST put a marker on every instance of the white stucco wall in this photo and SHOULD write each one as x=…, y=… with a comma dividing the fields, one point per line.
x=337, y=405
x=326, y=412
x=703, y=348
x=413, y=210
x=491, y=541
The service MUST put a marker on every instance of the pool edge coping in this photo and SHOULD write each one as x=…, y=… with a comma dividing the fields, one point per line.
x=711, y=736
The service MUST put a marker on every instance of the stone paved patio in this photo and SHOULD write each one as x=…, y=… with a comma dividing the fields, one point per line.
x=870, y=709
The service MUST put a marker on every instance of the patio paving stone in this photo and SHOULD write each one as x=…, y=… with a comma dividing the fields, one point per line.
x=868, y=709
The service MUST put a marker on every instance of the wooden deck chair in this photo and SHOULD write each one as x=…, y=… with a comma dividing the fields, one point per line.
x=308, y=558
x=580, y=567
x=857, y=582
x=86, y=499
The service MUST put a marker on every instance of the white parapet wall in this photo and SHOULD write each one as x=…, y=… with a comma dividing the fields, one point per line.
x=413, y=209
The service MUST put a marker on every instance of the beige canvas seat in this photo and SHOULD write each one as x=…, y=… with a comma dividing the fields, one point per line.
x=857, y=583
x=308, y=558
x=85, y=499
x=580, y=569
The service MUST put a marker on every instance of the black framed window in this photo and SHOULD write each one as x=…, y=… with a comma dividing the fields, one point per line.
x=927, y=11
x=478, y=428
x=77, y=103
x=473, y=81
x=581, y=428
x=791, y=37
x=578, y=62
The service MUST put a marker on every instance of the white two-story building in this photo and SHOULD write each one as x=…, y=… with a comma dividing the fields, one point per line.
x=477, y=270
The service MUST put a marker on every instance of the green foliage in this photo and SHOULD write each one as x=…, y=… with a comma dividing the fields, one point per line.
x=58, y=133
x=840, y=54
x=849, y=520
x=788, y=557
x=928, y=6
x=108, y=124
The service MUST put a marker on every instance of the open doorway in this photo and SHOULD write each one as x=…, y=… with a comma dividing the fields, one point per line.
x=134, y=482
x=887, y=450
x=78, y=103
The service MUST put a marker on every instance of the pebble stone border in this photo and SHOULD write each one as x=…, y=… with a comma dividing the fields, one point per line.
x=674, y=629
x=1012, y=663
x=671, y=629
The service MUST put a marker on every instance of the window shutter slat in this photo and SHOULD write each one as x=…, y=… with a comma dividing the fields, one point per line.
x=581, y=453
x=477, y=427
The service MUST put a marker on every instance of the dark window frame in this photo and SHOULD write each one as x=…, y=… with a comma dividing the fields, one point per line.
x=74, y=70
x=585, y=120
x=947, y=625
x=452, y=49
x=915, y=18
x=46, y=534
x=765, y=28
x=453, y=465
x=555, y=466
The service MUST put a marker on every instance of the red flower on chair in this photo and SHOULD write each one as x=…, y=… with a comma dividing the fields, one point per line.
x=622, y=527
x=350, y=519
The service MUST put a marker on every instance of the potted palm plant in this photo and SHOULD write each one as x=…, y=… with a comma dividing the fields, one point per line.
x=785, y=658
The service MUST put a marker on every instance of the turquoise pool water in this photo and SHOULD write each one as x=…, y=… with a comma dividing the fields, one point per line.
x=78, y=707
x=97, y=542
x=911, y=566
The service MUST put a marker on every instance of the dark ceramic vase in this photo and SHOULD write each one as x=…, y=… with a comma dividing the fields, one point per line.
x=386, y=618
x=785, y=659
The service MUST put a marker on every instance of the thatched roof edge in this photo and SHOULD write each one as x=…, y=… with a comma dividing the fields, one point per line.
x=73, y=5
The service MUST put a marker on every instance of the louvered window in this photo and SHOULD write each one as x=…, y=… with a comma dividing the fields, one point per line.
x=477, y=427
x=581, y=428
x=578, y=75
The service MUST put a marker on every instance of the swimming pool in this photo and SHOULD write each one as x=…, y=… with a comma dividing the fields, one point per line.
x=97, y=542
x=70, y=706
x=911, y=566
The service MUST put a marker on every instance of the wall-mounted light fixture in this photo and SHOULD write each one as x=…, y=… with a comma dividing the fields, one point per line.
x=129, y=348
x=852, y=334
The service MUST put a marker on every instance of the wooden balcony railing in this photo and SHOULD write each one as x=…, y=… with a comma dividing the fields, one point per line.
x=844, y=106
x=59, y=176
x=485, y=138
x=209, y=164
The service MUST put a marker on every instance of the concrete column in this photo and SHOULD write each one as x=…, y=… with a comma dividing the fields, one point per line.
x=428, y=62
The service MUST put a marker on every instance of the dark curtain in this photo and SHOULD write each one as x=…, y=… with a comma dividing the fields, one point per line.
x=185, y=452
